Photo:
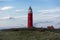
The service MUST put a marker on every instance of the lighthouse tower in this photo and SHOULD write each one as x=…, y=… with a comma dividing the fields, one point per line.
x=30, y=18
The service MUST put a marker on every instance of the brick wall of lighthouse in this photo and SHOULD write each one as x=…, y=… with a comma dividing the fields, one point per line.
x=30, y=18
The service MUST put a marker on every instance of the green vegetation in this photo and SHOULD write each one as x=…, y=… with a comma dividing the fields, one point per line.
x=29, y=35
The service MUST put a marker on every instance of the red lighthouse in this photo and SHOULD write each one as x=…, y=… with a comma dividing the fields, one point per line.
x=30, y=18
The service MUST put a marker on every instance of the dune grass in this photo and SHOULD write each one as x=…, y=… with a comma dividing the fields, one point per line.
x=29, y=35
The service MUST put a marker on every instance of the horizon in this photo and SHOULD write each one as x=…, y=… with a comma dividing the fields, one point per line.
x=14, y=13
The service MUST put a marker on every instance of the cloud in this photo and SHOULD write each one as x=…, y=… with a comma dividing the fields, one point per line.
x=6, y=8
x=49, y=14
x=13, y=17
x=24, y=16
x=13, y=21
x=44, y=17
x=47, y=20
x=20, y=10
x=49, y=10
x=6, y=17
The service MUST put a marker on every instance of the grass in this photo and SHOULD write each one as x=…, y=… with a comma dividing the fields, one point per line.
x=29, y=35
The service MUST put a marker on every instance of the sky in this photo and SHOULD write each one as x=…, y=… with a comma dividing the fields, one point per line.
x=13, y=13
